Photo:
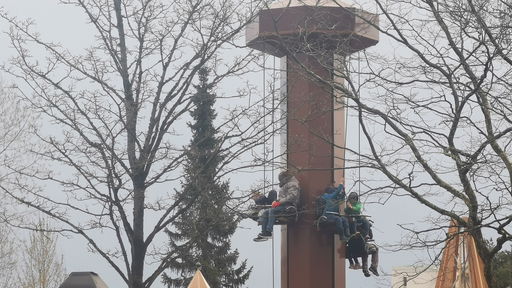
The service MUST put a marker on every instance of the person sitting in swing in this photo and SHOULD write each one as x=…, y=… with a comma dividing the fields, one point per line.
x=329, y=204
x=260, y=199
x=371, y=249
x=354, y=250
x=353, y=212
x=288, y=196
x=359, y=246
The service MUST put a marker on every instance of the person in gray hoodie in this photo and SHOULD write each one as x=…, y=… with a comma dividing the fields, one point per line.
x=288, y=196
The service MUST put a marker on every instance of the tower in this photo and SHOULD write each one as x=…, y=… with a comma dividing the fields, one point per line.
x=312, y=38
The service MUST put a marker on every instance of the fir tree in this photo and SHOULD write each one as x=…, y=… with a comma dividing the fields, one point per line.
x=201, y=236
x=502, y=278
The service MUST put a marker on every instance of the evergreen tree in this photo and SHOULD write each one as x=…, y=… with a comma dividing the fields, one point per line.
x=502, y=277
x=201, y=236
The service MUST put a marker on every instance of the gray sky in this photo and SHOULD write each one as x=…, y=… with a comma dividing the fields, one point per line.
x=66, y=25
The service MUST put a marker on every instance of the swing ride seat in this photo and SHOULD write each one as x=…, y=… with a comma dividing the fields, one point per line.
x=322, y=224
x=357, y=216
x=289, y=215
x=354, y=218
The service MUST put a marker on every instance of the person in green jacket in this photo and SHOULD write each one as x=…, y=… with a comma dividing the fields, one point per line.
x=353, y=210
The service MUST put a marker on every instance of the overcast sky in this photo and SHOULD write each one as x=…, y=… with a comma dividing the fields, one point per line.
x=67, y=25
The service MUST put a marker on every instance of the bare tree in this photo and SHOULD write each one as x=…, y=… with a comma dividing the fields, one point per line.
x=40, y=265
x=114, y=116
x=434, y=103
x=15, y=125
x=437, y=115
x=15, y=122
x=7, y=258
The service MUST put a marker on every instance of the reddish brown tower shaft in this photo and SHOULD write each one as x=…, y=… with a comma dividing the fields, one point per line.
x=314, y=38
x=308, y=256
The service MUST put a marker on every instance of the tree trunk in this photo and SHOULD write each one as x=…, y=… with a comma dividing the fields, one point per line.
x=138, y=246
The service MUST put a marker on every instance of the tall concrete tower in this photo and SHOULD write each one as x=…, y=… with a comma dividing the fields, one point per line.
x=312, y=38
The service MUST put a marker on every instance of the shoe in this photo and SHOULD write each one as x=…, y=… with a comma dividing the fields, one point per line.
x=373, y=269
x=366, y=273
x=259, y=239
x=352, y=266
x=263, y=236
x=357, y=266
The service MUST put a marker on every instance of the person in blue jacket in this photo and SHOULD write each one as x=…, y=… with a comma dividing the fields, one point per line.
x=331, y=200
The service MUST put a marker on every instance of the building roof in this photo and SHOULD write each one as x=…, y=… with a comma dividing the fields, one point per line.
x=413, y=277
x=83, y=280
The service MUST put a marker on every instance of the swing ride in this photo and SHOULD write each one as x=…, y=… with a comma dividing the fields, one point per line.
x=312, y=38
x=288, y=216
